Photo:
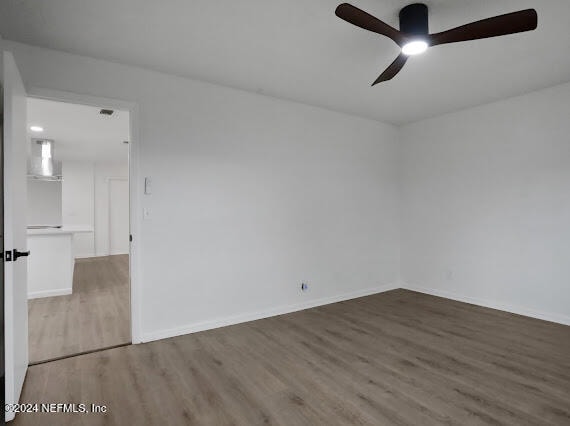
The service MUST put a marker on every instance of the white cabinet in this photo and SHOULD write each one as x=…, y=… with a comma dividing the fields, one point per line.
x=51, y=262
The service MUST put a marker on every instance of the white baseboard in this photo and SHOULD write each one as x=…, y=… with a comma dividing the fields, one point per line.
x=252, y=316
x=49, y=293
x=108, y=253
x=84, y=256
x=506, y=307
x=80, y=258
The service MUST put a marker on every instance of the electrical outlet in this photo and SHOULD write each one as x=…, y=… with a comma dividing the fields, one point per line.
x=304, y=286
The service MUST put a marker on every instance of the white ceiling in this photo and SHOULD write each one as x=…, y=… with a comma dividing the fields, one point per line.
x=79, y=131
x=299, y=50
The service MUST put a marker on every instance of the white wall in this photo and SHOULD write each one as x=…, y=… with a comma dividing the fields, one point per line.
x=78, y=204
x=86, y=203
x=103, y=171
x=251, y=195
x=44, y=202
x=486, y=204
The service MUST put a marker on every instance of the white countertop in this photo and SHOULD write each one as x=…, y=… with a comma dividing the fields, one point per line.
x=60, y=231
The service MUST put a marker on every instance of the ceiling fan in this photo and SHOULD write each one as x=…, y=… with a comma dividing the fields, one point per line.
x=414, y=38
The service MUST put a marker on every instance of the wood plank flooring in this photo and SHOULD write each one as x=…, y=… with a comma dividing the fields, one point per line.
x=397, y=358
x=95, y=316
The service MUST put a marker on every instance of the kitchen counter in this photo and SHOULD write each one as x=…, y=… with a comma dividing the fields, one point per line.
x=51, y=261
x=59, y=231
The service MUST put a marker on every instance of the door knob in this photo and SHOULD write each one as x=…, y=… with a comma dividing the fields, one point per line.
x=18, y=254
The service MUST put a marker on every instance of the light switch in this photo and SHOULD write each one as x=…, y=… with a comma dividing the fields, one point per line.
x=147, y=186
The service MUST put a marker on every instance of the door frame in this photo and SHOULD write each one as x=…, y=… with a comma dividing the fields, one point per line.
x=135, y=187
x=2, y=288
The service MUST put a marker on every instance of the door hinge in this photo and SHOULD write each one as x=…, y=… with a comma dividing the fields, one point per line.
x=131, y=238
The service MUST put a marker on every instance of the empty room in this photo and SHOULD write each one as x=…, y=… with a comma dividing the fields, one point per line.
x=286, y=212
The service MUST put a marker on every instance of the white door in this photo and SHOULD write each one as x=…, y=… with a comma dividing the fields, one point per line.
x=118, y=216
x=15, y=223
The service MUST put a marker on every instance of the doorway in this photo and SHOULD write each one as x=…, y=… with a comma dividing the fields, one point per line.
x=78, y=229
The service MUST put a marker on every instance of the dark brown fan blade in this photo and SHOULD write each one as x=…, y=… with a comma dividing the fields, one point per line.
x=392, y=70
x=511, y=23
x=364, y=20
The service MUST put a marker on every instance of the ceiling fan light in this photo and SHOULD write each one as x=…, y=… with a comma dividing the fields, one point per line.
x=414, y=47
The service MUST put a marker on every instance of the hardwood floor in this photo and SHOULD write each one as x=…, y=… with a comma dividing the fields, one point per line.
x=95, y=316
x=397, y=358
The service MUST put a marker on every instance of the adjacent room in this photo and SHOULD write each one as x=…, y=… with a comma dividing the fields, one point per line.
x=286, y=212
x=78, y=229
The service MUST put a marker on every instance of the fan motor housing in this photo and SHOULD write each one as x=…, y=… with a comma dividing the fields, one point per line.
x=414, y=19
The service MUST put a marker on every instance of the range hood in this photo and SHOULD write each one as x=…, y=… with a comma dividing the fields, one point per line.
x=41, y=165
